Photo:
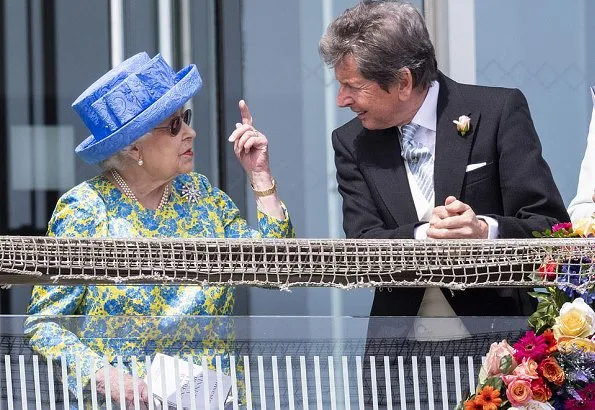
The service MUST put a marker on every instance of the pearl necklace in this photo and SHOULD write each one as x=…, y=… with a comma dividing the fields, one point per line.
x=126, y=189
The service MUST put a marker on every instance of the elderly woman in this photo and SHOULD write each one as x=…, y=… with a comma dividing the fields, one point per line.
x=142, y=140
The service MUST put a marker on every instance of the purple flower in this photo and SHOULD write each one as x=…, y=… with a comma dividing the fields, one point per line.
x=577, y=272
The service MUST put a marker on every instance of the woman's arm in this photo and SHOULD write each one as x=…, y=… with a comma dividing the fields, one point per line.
x=79, y=213
x=252, y=150
x=235, y=226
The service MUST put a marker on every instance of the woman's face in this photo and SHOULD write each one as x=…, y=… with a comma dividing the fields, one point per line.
x=166, y=156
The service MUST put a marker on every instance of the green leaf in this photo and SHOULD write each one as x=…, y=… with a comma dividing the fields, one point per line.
x=506, y=364
x=540, y=295
x=495, y=382
x=549, y=303
x=559, y=298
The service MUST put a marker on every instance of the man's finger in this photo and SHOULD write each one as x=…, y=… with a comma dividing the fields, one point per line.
x=453, y=222
x=440, y=212
x=459, y=233
x=449, y=200
x=457, y=207
x=434, y=220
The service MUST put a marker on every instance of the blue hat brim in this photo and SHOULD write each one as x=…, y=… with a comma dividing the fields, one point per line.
x=93, y=151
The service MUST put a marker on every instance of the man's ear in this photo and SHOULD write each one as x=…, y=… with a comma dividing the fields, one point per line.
x=405, y=84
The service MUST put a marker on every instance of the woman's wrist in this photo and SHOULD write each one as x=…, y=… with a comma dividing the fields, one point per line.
x=262, y=182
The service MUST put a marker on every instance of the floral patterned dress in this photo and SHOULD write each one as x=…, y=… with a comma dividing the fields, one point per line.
x=139, y=320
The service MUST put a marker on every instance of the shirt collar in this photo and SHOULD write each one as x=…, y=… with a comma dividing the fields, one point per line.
x=426, y=115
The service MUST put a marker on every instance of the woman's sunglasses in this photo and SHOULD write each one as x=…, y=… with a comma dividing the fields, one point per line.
x=175, y=125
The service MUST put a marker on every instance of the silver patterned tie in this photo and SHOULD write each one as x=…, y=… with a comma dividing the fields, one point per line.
x=420, y=160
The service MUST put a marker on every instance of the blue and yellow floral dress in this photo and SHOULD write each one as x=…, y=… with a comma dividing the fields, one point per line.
x=139, y=320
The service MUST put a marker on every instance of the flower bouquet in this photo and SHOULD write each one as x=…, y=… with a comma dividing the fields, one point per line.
x=553, y=365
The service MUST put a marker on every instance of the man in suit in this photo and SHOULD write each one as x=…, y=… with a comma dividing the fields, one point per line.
x=406, y=170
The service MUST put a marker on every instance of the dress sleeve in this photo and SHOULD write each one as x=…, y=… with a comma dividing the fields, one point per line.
x=237, y=227
x=79, y=213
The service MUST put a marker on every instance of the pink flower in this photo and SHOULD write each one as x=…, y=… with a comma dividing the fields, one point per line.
x=519, y=392
x=531, y=346
x=494, y=358
x=565, y=225
x=587, y=401
x=527, y=369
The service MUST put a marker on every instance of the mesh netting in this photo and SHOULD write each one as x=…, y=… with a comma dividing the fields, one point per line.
x=299, y=262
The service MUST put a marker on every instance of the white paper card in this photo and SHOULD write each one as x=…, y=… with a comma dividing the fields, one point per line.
x=166, y=375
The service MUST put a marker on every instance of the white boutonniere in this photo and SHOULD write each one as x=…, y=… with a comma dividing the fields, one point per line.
x=463, y=125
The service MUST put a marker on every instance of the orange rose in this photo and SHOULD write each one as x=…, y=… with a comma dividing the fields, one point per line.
x=540, y=390
x=551, y=371
x=519, y=392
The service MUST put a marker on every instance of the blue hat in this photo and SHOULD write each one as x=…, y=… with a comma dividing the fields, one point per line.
x=129, y=101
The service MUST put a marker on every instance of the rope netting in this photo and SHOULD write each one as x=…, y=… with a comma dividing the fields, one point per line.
x=283, y=263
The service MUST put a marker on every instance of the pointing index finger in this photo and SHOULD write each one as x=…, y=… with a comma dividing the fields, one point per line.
x=245, y=113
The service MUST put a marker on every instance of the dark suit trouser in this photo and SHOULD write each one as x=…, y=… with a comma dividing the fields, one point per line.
x=386, y=338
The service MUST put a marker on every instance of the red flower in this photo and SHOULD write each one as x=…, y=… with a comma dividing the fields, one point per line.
x=550, y=341
x=540, y=390
x=548, y=270
x=530, y=346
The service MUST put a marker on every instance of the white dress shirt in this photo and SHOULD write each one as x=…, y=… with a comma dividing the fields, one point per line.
x=426, y=135
x=434, y=304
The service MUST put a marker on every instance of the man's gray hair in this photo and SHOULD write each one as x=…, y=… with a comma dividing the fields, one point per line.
x=383, y=37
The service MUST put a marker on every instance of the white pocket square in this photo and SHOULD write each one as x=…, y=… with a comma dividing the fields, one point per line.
x=472, y=167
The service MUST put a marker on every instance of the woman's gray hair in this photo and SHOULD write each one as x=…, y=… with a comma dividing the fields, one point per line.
x=121, y=159
x=383, y=37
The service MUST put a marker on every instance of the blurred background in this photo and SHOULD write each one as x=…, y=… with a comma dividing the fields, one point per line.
x=264, y=51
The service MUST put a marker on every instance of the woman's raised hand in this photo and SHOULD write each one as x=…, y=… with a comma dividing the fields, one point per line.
x=250, y=145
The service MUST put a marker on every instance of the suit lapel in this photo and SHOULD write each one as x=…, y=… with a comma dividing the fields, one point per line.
x=381, y=162
x=452, y=149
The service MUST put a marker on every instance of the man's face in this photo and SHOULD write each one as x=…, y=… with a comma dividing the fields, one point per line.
x=376, y=108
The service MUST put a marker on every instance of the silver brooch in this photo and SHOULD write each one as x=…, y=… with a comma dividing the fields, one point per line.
x=190, y=192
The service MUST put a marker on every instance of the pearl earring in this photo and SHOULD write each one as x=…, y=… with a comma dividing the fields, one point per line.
x=140, y=162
